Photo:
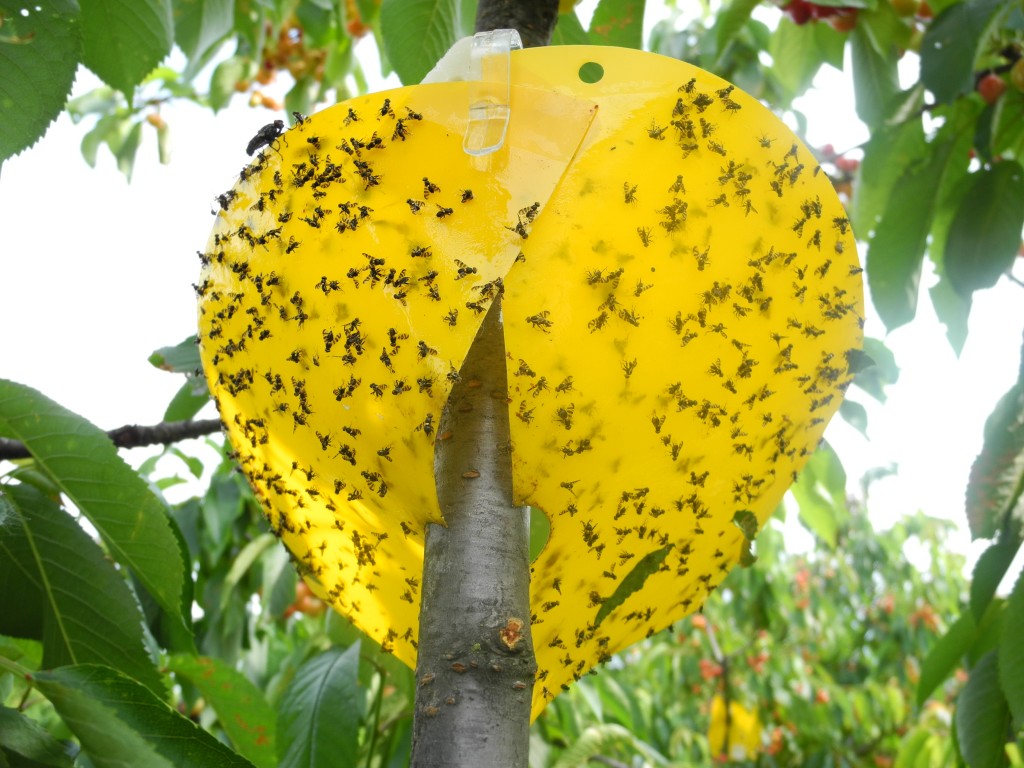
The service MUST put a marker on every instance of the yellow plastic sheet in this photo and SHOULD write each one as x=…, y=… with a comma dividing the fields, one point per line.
x=681, y=294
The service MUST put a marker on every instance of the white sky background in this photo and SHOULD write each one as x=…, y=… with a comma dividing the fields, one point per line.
x=96, y=273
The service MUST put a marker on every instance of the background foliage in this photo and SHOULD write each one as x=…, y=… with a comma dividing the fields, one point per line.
x=155, y=634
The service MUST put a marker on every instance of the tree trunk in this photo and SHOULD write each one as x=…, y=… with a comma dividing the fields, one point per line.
x=475, y=663
x=475, y=666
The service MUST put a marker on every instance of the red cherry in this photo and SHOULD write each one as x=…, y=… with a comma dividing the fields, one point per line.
x=799, y=11
x=847, y=164
x=991, y=87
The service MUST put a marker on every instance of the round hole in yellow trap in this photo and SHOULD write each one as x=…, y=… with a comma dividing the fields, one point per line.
x=591, y=72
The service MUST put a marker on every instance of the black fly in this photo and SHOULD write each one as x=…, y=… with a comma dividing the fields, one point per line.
x=265, y=137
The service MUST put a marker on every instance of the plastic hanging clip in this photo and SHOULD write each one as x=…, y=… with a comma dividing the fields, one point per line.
x=490, y=87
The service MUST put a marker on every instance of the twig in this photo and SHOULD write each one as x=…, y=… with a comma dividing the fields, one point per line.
x=132, y=436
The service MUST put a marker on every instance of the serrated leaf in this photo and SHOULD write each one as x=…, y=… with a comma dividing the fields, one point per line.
x=985, y=232
x=950, y=47
x=896, y=251
x=38, y=59
x=27, y=739
x=125, y=39
x=320, y=713
x=945, y=656
x=417, y=33
x=988, y=573
x=199, y=26
x=632, y=582
x=121, y=723
x=241, y=709
x=875, y=82
x=180, y=358
x=982, y=716
x=996, y=481
x=618, y=22
x=82, y=460
x=86, y=613
x=1011, y=660
x=887, y=156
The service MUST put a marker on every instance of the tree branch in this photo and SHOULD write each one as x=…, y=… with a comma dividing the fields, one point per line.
x=534, y=19
x=132, y=436
x=475, y=663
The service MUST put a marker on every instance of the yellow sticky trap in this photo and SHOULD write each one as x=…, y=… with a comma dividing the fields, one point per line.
x=681, y=291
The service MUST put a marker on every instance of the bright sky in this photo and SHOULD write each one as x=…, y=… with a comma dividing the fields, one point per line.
x=96, y=273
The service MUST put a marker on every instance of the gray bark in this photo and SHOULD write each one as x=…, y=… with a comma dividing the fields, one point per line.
x=475, y=665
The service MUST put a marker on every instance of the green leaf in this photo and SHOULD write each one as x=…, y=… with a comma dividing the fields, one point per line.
x=319, y=716
x=985, y=233
x=1011, y=660
x=996, y=481
x=225, y=76
x=243, y=562
x=417, y=33
x=27, y=739
x=1008, y=125
x=883, y=28
x=945, y=656
x=189, y=400
x=223, y=503
x=730, y=21
x=896, y=251
x=181, y=358
x=633, y=581
x=241, y=709
x=540, y=530
x=953, y=311
x=618, y=22
x=120, y=723
x=125, y=39
x=883, y=372
x=950, y=47
x=854, y=414
x=39, y=53
x=569, y=31
x=86, y=613
x=887, y=156
x=988, y=573
x=199, y=26
x=820, y=493
x=982, y=716
x=799, y=51
x=129, y=150
x=875, y=82
x=80, y=458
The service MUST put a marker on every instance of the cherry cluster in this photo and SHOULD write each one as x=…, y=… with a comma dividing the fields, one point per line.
x=842, y=18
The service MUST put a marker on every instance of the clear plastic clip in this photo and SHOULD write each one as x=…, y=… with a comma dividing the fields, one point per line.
x=490, y=90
